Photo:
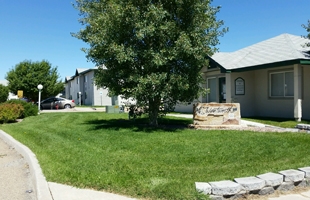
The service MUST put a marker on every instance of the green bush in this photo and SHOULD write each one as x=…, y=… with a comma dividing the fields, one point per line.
x=10, y=112
x=4, y=93
x=29, y=108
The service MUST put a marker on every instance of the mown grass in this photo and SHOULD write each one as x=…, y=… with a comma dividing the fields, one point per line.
x=108, y=152
x=280, y=122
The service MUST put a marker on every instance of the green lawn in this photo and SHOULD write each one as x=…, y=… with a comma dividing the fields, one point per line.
x=109, y=152
x=280, y=122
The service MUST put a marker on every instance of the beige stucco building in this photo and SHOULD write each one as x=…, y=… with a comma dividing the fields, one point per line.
x=268, y=79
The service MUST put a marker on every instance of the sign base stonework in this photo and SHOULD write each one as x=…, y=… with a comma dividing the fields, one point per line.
x=216, y=115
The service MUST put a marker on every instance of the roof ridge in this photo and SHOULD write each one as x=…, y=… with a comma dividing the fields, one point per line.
x=294, y=51
x=242, y=56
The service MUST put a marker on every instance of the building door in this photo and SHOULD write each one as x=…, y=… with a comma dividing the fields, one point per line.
x=211, y=86
x=222, y=90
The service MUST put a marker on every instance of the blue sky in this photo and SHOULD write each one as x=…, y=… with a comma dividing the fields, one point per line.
x=40, y=29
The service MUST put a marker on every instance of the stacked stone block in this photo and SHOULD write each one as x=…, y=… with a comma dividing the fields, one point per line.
x=263, y=184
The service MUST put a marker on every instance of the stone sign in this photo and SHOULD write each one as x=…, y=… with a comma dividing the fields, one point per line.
x=216, y=114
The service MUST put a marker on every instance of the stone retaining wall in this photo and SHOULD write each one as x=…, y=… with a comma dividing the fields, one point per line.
x=263, y=184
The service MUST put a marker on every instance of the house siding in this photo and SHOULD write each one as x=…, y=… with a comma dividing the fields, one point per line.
x=68, y=89
x=248, y=100
x=256, y=100
x=90, y=93
x=74, y=90
x=271, y=107
x=306, y=93
x=101, y=97
x=86, y=88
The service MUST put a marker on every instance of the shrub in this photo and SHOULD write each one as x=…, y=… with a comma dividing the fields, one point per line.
x=29, y=108
x=4, y=93
x=10, y=112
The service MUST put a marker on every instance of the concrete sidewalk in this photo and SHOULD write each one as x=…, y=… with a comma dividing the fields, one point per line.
x=15, y=180
x=65, y=192
x=301, y=196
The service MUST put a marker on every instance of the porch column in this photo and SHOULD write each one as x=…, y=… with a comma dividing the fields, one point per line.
x=228, y=87
x=297, y=92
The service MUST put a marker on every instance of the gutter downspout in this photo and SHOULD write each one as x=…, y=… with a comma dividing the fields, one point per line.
x=298, y=92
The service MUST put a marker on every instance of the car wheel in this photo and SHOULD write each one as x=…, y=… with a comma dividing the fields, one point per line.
x=41, y=107
x=67, y=106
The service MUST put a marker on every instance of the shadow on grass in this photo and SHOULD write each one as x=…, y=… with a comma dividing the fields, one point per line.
x=140, y=124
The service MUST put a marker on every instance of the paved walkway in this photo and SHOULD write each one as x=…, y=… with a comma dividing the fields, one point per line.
x=300, y=196
x=21, y=178
x=15, y=179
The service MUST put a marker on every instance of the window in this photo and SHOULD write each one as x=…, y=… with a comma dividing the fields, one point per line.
x=282, y=84
x=77, y=80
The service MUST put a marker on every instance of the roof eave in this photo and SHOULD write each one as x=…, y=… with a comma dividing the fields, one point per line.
x=271, y=65
x=305, y=62
x=216, y=64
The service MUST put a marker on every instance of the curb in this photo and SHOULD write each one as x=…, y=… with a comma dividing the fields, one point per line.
x=41, y=186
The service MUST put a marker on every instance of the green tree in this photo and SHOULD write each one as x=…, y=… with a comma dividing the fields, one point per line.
x=307, y=27
x=4, y=93
x=27, y=75
x=152, y=50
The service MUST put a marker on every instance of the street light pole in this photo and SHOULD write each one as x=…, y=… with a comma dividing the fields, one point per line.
x=40, y=87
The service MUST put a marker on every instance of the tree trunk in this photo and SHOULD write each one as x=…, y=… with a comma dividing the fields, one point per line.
x=153, y=118
x=153, y=111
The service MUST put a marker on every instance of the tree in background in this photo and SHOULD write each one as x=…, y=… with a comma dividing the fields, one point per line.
x=27, y=75
x=307, y=27
x=4, y=93
x=153, y=50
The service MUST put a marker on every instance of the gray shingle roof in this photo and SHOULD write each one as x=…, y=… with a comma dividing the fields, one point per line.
x=284, y=47
x=81, y=70
x=68, y=78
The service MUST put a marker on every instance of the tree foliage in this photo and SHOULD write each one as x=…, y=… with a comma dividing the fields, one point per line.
x=27, y=75
x=307, y=27
x=152, y=50
x=4, y=93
